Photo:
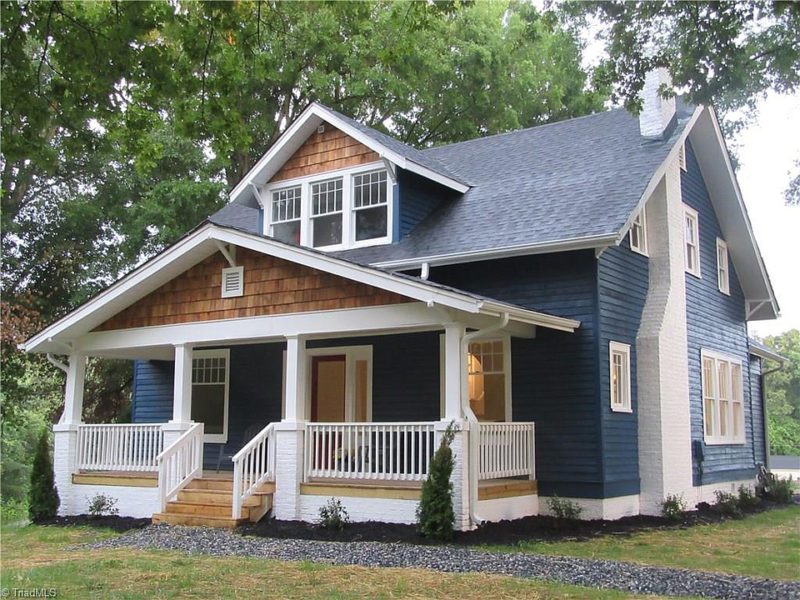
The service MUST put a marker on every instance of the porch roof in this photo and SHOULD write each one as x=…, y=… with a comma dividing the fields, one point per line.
x=210, y=238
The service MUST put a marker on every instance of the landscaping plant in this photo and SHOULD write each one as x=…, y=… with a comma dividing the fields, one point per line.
x=563, y=508
x=747, y=499
x=777, y=489
x=673, y=507
x=333, y=515
x=435, y=516
x=727, y=504
x=43, y=498
x=101, y=505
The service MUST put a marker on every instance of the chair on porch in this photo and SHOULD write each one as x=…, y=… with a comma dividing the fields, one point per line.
x=248, y=435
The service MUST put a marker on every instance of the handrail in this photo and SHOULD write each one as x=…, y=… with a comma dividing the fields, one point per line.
x=253, y=465
x=179, y=463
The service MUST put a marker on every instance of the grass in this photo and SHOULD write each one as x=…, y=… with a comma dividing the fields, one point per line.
x=37, y=557
x=763, y=545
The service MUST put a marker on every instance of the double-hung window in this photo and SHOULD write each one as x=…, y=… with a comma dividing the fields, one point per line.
x=285, y=221
x=638, y=234
x=370, y=205
x=691, y=240
x=723, y=406
x=488, y=379
x=619, y=358
x=326, y=213
x=723, y=275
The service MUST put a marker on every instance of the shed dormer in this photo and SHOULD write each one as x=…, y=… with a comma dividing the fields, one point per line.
x=331, y=183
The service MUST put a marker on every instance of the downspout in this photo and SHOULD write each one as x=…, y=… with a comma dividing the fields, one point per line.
x=474, y=426
x=765, y=424
x=57, y=363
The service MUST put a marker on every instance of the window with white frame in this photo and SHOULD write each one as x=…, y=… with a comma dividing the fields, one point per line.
x=682, y=157
x=723, y=405
x=285, y=218
x=638, y=233
x=723, y=274
x=619, y=358
x=370, y=205
x=691, y=241
x=488, y=379
x=326, y=213
x=210, y=369
x=345, y=208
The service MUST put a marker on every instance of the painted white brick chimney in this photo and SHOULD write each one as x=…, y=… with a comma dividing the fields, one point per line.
x=657, y=112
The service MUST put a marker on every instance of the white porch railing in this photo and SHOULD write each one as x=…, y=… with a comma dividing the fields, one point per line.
x=253, y=465
x=181, y=462
x=506, y=450
x=369, y=451
x=119, y=447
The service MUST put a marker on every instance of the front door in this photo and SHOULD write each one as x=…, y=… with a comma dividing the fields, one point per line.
x=328, y=388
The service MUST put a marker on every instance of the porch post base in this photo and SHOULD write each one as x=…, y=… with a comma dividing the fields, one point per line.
x=289, y=438
x=173, y=430
x=65, y=454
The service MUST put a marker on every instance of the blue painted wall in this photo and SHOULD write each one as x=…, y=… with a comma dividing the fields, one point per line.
x=555, y=375
x=715, y=321
x=622, y=279
x=758, y=400
x=418, y=197
x=151, y=400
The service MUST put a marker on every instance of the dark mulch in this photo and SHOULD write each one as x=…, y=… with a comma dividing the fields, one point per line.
x=118, y=524
x=539, y=528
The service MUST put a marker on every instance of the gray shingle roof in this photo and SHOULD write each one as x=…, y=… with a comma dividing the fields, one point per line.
x=557, y=182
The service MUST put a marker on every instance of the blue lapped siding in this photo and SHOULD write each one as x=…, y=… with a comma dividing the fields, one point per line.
x=715, y=321
x=418, y=197
x=622, y=283
x=554, y=375
x=151, y=401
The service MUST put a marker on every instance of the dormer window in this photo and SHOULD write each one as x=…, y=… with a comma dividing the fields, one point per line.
x=286, y=215
x=340, y=209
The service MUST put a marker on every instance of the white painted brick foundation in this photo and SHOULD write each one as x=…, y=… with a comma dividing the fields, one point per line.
x=288, y=471
x=605, y=508
x=386, y=510
x=506, y=509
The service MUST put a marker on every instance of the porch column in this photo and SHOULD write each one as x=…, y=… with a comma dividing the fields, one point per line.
x=289, y=434
x=73, y=392
x=182, y=386
x=65, y=434
x=295, y=409
x=454, y=366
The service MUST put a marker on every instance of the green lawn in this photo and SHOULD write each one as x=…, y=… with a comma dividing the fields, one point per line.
x=762, y=545
x=36, y=557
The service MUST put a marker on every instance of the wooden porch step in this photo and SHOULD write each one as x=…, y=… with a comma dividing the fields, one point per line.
x=206, y=510
x=210, y=484
x=223, y=497
x=196, y=520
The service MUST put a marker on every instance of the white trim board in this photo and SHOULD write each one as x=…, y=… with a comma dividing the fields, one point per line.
x=203, y=242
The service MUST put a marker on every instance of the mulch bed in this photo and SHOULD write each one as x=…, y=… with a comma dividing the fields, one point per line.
x=118, y=524
x=540, y=528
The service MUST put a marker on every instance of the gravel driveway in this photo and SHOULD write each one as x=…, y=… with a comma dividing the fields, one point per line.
x=577, y=571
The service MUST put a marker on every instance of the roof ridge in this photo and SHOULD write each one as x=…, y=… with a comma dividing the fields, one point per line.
x=524, y=129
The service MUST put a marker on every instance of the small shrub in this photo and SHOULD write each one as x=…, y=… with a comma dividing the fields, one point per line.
x=12, y=510
x=435, y=516
x=101, y=505
x=747, y=499
x=673, y=507
x=333, y=515
x=777, y=489
x=563, y=508
x=43, y=498
x=727, y=504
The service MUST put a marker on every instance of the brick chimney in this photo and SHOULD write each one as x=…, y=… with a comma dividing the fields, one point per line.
x=657, y=112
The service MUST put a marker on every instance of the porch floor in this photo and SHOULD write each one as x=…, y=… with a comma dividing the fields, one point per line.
x=411, y=490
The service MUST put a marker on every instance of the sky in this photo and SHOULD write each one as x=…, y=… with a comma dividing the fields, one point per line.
x=767, y=150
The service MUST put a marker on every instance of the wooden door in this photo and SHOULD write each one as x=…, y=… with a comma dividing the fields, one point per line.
x=328, y=385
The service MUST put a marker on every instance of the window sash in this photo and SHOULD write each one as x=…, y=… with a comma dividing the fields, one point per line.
x=286, y=205
x=723, y=278
x=619, y=359
x=691, y=237
x=723, y=401
x=488, y=370
x=638, y=233
x=369, y=190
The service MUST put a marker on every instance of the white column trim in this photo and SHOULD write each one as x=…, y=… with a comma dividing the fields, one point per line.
x=454, y=367
x=295, y=393
x=182, y=387
x=73, y=392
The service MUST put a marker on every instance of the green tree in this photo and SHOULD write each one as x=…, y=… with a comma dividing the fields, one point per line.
x=43, y=498
x=435, y=516
x=783, y=395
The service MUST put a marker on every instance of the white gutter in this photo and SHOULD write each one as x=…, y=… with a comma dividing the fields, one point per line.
x=474, y=425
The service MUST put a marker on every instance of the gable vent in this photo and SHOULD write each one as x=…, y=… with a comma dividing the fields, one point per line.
x=232, y=282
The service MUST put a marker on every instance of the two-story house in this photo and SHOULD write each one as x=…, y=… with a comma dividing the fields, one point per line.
x=574, y=297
